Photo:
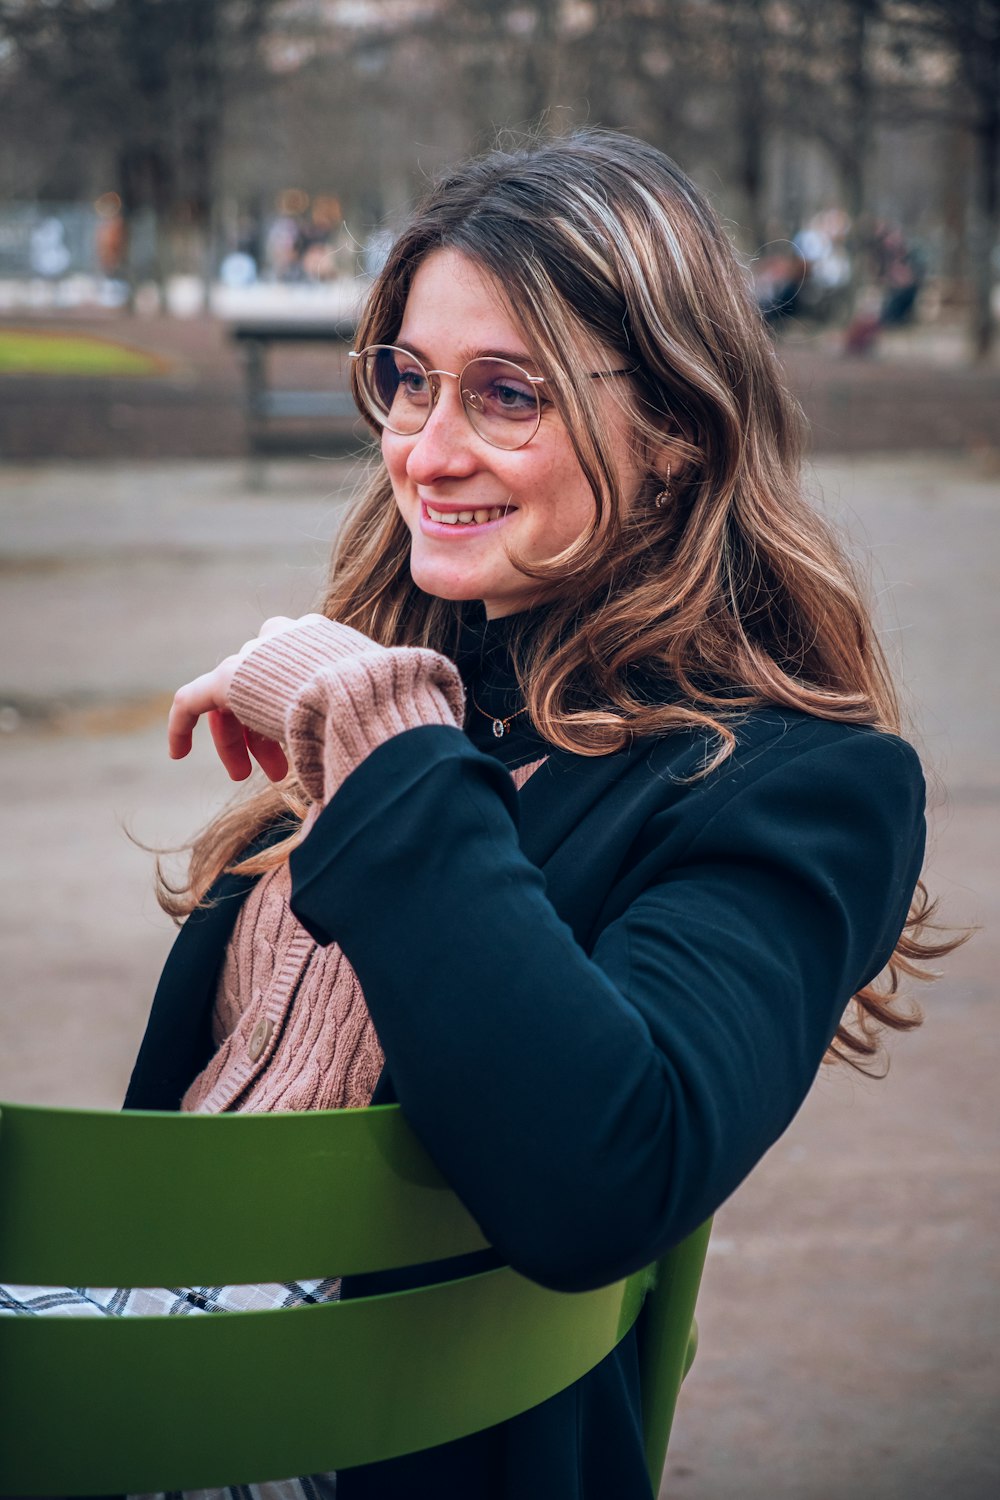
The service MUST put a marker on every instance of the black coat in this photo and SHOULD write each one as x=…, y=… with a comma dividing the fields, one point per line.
x=600, y=1000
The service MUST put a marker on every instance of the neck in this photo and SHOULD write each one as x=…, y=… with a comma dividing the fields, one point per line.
x=495, y=698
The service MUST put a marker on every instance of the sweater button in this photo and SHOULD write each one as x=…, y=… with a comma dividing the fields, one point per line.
x=259, y=1038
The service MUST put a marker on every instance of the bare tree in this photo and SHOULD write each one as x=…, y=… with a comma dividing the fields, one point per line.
x=963, y=37
x=642, y=67
x=373, y=102
x=147, y=80
x=859, y=85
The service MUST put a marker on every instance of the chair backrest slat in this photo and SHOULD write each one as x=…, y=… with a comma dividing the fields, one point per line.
x=271, y=1196
x=231, y=1398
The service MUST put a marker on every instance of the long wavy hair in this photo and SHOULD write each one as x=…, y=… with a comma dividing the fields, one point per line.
x=735, y=592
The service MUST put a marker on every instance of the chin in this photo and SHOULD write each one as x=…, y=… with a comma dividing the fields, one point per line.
x=443, y=585
x=442, y=578
x=453, y=595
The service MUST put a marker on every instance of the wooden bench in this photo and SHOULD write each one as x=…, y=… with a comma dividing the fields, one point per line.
x=282, y=421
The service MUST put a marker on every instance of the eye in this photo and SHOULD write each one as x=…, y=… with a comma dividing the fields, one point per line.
x=413, y=382
x=509, y=396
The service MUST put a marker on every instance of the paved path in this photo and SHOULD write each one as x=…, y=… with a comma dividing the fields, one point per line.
x=849, y=1315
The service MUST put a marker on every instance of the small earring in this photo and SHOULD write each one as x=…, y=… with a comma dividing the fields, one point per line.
x=663, y=497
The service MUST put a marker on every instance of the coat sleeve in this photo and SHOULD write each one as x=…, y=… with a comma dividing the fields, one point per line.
x=592, y=1109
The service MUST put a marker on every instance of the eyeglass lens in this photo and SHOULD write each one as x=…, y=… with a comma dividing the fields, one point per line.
x=500, y=400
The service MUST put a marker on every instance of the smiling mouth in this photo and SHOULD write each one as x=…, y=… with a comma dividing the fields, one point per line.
x=480, y=517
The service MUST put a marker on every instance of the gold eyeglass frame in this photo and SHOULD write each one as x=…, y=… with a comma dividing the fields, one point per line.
x=467, y=397
x=534, y=380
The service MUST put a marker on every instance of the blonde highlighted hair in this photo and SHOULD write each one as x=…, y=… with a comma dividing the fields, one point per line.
x=735, y=592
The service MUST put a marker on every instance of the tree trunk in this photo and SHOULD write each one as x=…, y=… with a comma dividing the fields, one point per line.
x=859, y=126
x=751, y=168
x=986, y=219
x=542, y=67
x=854, y=163
x=749, y=70
x=954, y=204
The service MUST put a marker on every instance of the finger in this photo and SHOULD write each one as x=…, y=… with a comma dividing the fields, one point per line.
x=229, y=738
x=207, y=692
x=190, y=702
x=268, y=754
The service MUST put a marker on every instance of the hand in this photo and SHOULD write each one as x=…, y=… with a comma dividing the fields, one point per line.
x=234, y=742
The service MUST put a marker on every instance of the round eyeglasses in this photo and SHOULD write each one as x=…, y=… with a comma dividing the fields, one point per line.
x=501, y=400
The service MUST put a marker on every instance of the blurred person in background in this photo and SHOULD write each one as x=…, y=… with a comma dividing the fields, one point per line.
x=896, y=270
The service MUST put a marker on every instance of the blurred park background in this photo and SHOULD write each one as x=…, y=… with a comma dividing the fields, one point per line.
x=173, y=172
x=194, y=195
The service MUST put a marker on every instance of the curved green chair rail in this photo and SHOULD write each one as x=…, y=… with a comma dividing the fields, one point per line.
x=106, y=1405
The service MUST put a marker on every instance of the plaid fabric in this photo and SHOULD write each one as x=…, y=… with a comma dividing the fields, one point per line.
x=155, y=1302
x=117, y=1302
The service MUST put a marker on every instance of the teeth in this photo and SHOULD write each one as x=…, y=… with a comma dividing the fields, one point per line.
x=467, y=517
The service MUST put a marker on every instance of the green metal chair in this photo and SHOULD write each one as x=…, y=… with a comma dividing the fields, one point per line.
x=117, y=1405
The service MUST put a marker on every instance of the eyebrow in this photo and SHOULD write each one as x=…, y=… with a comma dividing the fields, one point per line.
x=518, y=357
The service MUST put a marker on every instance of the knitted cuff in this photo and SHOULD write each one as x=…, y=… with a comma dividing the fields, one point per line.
x=332, y=696
x=271, y=676
x=347, y=711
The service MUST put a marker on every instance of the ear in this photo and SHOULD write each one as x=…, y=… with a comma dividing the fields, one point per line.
x=668, y=449
x=668, y=461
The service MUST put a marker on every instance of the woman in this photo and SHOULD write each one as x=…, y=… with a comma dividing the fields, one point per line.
x=597, y=820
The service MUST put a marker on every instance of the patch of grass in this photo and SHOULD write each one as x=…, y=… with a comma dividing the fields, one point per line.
x=28, y=352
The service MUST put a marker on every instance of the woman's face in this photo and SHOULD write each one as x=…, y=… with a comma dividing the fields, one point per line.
x=453, y=314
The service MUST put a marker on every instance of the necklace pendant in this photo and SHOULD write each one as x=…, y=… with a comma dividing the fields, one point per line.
x=499, y=729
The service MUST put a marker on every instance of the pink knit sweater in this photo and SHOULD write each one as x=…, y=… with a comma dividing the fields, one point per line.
x=290, y=1021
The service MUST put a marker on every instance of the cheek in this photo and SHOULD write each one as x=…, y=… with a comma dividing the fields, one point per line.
x=576, y=507
x=394, y=456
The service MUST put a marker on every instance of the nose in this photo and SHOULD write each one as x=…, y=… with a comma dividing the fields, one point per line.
x=445, y=446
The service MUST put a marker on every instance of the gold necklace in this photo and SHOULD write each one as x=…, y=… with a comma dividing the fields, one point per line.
x=500, y=726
